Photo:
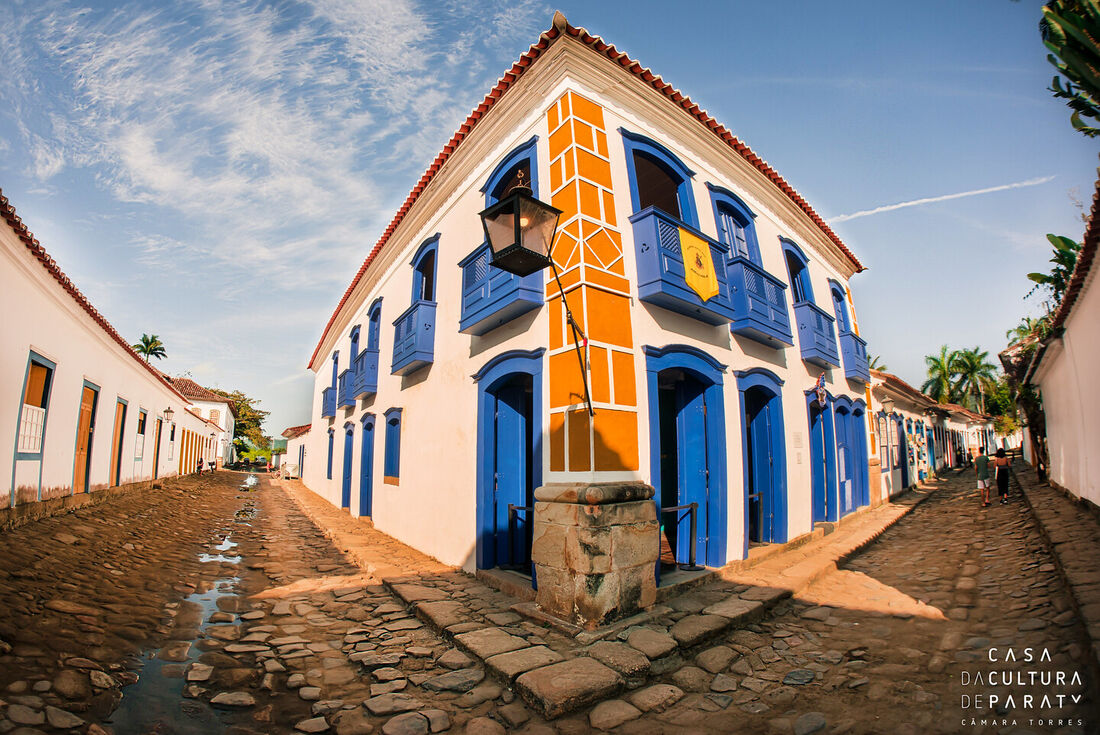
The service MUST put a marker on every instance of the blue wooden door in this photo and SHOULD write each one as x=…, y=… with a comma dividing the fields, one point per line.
x=761, y=469
x=692, y=463
x=345, y=495
x=903, y=455
x=301, y=460
x=844, y=469
x=817, y=461
x=510, y=475
x=366, y=471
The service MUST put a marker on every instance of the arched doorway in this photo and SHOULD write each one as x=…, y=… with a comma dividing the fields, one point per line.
x=688, y=451
x=509, y=447
x=845, y=470
x=765, y=457
x=903, y=454
x=861, y=454
x=345, y=487
x=822, y=459
x=366, y=468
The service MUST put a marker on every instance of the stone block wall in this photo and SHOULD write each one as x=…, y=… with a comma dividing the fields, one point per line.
x=595, y=548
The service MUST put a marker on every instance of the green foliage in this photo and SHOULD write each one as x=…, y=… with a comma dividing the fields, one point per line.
x=249, y=424
x=1071, y=31
x=1064, y=260
x=1029, y=330
x=975, y=375
x=960, y=376
x=877, y=364
x=150, y=346
x=941, y=369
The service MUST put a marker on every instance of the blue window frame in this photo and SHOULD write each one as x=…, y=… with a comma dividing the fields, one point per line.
x=799, y=273
x=491, y=296
x=843, y=325
x=354, y=343
x=328, y=467
x=414, y=330
x=423, y=264
x=658, y=178
x=30, y=437
x=734, y=221
x=522, y=158
x=392, y=467
x=374, y=324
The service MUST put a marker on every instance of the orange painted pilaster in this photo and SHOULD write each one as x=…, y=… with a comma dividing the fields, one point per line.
x=588, y=251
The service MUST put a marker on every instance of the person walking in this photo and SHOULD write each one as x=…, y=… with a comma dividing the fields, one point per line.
x=1001, y=465
x=981, y=468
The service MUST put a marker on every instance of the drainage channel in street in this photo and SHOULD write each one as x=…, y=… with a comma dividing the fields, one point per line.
x=156, y=704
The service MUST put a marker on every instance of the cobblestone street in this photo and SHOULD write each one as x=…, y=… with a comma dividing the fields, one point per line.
x=220, y=609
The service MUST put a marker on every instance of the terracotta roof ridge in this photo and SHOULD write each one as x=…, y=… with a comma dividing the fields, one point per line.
x=7, y=211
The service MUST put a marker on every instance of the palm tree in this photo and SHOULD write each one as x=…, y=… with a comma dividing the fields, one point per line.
x=875, y=364
x=150, y=346
x=975, y=375
x=941, y=368
x=1026, y=329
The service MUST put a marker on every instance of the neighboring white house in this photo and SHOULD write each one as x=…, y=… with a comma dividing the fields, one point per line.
x=1065, y=370
x=79, y=409
x=217, y=410
x=294, y=460
x=712, y=296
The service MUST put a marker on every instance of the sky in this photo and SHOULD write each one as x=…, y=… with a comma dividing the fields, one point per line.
x=215, y=173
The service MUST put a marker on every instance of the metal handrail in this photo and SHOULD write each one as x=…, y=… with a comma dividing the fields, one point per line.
x=513, y=513
x=693, y=509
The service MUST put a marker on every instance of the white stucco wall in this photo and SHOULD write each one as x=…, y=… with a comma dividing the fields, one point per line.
x=433, y=507
x=48, y=321
x=1071, y=398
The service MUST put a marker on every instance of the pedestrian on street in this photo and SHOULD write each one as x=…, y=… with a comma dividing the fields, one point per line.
x=981, y=468
x=1001, y=466
x=200, y=466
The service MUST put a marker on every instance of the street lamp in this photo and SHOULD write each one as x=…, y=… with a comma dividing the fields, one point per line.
x=168, y=413
x=888, y=405
x=520, y=231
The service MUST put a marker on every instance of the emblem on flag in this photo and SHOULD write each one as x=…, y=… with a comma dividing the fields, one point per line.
x=699, y=273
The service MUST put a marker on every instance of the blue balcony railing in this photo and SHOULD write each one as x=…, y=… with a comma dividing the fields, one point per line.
x=491, y=296
x=365, y=368
x=853, y=349
x=661, y=271
x=815, y=335
x=344, y=397
x=759, y=304
x=328, y=402
x=414, y=338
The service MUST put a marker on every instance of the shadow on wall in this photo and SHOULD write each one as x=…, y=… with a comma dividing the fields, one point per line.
x=671, y=322
x=776, y=357
x=498, y=336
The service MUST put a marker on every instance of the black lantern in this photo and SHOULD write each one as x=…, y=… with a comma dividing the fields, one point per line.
x=168, y=414
x=520, y=230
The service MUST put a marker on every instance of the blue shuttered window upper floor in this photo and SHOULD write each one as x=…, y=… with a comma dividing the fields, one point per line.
x=414, y=330
x=491, y=296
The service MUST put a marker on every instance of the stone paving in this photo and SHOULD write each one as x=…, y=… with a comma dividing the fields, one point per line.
x=282, y=627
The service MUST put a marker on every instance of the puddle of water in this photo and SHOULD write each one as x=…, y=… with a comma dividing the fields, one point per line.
x=155, y=704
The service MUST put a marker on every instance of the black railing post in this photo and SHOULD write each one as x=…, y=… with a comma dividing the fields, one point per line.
x=511, y=533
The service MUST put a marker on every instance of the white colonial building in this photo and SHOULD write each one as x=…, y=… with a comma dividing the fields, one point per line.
x=217, y=410
x=712, y=299
x=80, y=411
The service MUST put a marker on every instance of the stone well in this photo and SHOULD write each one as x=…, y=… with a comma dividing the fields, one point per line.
x=595, y=549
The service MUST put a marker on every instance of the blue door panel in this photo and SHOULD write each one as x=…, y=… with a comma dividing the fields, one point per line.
x=366, y=472
x=345, y=494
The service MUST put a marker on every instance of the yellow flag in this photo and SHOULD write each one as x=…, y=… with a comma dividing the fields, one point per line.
x=698, y=265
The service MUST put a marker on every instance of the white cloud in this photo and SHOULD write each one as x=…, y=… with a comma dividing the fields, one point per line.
x=943, y=198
